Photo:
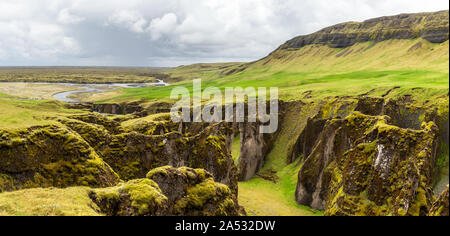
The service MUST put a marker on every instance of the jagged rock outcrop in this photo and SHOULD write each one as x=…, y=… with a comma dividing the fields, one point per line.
x=194, y=192
x=392, y=175
x=120, y=109
x=135, y=108
x=133, y=154
x=433, y=27
x=110, y=125
x=168, y=191
x=50, y=156
x=361, y=165
x=254, y=148
x=315, y=175
x=308, y=138
x=440, y=207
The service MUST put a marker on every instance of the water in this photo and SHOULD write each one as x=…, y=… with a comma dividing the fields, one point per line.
x=95, y=88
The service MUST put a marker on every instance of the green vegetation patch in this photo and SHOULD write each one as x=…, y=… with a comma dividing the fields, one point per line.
x=48, y=202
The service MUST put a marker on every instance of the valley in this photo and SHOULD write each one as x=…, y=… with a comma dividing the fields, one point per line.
x=363, y=130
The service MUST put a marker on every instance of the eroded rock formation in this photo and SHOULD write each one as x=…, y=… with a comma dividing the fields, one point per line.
x=362, y=165
x=440, y=207
x=50, y=156
x=169, y=191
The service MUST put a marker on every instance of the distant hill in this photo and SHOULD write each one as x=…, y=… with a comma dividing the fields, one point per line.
x=414, y=34
x=432, y=27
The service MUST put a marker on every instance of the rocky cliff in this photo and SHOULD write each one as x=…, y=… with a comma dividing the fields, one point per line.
x=96, y=151
x=433, y=27
x=383, y=162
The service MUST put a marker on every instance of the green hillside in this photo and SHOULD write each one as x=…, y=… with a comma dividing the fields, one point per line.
x=321, y=71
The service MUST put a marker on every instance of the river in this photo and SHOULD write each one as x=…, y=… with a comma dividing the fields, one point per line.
x=93, y=88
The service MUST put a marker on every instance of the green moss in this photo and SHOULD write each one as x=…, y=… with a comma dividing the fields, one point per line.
x=144, y=196
x=159, y=171
x=53, y=156
x=421, y=201
x=6, y=183
x=338, y=107
x=201, y=194
x=48, y=202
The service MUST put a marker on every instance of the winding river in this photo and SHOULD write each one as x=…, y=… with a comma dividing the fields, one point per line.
x=93, y=88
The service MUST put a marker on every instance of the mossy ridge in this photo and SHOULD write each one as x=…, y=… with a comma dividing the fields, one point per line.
x=52, y=156
x=378, y=190
x=132, y=155
x=203, y=193
x=141, y=197
x=211, y=150
x=168, y=191
x=441, y=206
x=97, y=119
x=96, y=135
x=194, y=192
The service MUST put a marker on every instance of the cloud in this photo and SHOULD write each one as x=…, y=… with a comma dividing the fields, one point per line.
x=165, y=25
x=130, y=20
x=170, y=32
x=66, y=17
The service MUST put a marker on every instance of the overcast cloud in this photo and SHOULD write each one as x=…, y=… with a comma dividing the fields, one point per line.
x=170, y=32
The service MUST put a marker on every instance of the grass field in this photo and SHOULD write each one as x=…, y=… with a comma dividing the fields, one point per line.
x=19, y=113
x=264, y=198
x=47, y=202
x=81, y=75
x=37, y=91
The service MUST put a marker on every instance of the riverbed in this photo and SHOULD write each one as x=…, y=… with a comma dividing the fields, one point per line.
x=65, y=92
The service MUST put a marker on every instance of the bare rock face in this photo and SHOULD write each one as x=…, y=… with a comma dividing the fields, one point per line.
x=440, y=207
x=168, y=191
x=252, y=155
x=429, y=26
x=50, y=156
x=254, y=149
x=308, y=138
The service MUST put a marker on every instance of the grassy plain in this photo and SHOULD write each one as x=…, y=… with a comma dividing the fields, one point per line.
x=80, y=75
x=48, y=202
x=17, y=113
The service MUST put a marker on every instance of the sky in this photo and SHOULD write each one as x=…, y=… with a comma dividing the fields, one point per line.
x=163, y=33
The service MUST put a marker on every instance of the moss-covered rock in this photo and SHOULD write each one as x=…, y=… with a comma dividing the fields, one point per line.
x=141, y=197
x=392, y=175
x=133, y=154
x=168, y=191
x=95, y=135
x=97, y=119
x=50, y=156
x=193, y=192
x=362, y=165
x=337, y=137
x=440, y=207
